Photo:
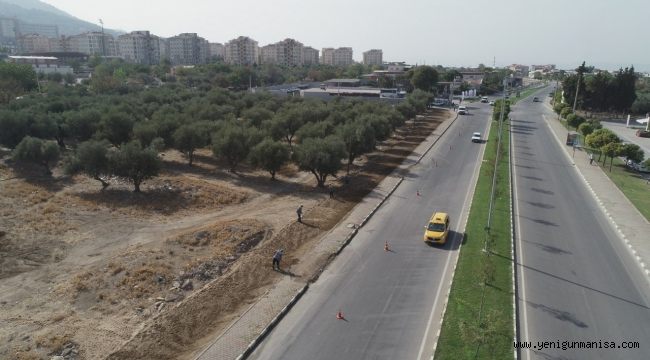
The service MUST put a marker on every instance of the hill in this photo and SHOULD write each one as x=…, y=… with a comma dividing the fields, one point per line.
x=38, y=12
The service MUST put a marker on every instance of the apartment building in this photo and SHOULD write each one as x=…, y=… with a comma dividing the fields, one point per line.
x=93, y=43
x=287, y=52
x=373, y=57
x=188, y=49
x=140, y=47
x=23, y=28
x=33, y=43
x=338, y=57
x=242, y=51
x=217, y=50
x=309, y=55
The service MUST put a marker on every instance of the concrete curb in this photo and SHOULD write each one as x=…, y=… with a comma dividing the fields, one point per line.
x=469, y=208
x=276, y=320
x=515, y=261
x=602, y=207
x=435, y=141
x=354, y=232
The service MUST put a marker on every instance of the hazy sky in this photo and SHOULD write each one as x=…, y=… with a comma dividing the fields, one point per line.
x=605, y=33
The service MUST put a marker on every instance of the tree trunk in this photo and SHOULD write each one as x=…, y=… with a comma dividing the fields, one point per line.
x=272, y=174
x=104, y=183
x=611, y=162
x=190, y=155
x=136, y=183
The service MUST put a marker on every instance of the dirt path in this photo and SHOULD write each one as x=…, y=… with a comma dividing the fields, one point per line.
x=82, y=272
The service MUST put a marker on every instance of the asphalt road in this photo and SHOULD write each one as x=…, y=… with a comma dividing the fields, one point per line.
x=391, y=301
x=577, y=280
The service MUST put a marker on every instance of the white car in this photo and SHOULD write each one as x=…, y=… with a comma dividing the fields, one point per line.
x=462, y=110
x=476, y=137
x=491, y=103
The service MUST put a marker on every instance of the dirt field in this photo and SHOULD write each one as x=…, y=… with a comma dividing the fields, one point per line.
x=88, y=274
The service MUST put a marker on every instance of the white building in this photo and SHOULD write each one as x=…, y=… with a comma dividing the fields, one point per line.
x=309, y=55
x=33, y=43
x=287, y=52
x=42, y=64
x=93, y=43
x=242, y=51
x=139, y=47
x=217, y=50
x=373, y=57
x=188, y=49
x=338, y=57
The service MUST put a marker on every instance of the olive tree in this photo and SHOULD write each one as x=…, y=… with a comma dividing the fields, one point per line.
x=35, y=150
x=135, y=163
x=91, y=159
x=188, y=138
x=321, y=157
x=269, y=155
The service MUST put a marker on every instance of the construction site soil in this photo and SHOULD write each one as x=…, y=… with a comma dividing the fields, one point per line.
x=91, y=274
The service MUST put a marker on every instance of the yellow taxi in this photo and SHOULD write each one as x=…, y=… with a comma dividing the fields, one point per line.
x=438, y=228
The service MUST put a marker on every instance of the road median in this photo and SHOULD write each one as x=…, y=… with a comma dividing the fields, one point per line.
x=479, y=314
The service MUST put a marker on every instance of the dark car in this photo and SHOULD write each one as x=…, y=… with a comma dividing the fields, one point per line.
x=535, y=99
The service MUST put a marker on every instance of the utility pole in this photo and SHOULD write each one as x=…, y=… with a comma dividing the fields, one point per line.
x=103, y=45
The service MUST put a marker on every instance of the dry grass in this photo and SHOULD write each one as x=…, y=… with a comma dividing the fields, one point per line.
x=52, y=342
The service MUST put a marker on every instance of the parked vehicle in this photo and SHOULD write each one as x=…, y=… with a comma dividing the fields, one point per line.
x=462, y=110
x=484, y=99
x=643, y=133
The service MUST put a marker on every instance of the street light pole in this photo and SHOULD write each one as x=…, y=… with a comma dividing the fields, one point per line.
x=103, y=45
x=575, y=101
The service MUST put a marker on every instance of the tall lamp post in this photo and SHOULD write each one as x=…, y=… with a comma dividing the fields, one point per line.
x=103, y=45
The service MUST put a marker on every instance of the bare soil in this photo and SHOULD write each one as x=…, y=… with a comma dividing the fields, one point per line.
x=91, y=274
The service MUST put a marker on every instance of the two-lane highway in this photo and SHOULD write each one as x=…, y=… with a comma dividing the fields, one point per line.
x=579, y=285
x=392, y=301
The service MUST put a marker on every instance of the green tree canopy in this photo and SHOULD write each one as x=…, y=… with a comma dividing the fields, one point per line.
x=91, y=158
x=321, y=157
x=190, y=137
x=34, y=150
x=135, y=163
x=269, y=155
x=424, y=78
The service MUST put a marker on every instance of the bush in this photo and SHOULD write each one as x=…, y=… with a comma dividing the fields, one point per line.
x=91, y=158
x=586, y=128
x=322, y=157
x=559, y=107
x=574, y=120
x=566, y=111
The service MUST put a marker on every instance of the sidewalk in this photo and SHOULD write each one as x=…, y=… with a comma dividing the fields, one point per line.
x=255, y=323
x=626, y=219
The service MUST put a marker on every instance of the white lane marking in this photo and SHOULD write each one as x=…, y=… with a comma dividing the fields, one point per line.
x=469, y=197
x=524, y=328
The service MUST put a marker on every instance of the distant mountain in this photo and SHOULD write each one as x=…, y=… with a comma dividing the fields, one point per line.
x=38, y=12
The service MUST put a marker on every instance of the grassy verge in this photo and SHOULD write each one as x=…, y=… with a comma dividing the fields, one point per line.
x=632, y=184
x=524, y=94
x=467, y=331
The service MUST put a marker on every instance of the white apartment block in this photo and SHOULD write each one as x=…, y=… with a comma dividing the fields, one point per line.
x=23, y=28
x=217, y=50
x=188, y=49
x=242, y=51
x=93, y=43
x=33, y=43
x=140, y=47
x=287, y=52
x=309, y=55
x=373, y=57
x=338, y=57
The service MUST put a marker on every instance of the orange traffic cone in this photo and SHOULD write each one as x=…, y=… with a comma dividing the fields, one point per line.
x=386, y=248
x=339, y=315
